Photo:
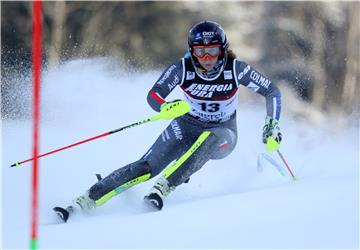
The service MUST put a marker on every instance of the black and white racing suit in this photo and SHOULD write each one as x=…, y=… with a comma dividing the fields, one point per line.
x=213, y=108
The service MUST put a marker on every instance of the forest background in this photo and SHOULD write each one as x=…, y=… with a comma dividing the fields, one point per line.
x=311, y=47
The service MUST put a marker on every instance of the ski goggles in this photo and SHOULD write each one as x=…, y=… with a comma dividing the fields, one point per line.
x=212, y=50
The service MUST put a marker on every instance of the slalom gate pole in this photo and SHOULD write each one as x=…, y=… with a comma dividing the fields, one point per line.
x=156, y=117
x=287, y=165
x=36, y=72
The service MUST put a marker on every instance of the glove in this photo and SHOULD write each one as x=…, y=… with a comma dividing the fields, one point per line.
x=271, y=129
x=173, y=109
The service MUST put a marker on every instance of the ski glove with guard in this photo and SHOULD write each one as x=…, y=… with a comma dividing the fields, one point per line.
x=173, y=109
x=271, y=129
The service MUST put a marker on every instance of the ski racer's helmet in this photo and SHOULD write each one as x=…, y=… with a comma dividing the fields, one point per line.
x=208, y=34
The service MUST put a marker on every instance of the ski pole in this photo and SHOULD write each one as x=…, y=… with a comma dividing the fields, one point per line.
x=174, y=110
x=87, y=140
x=287, y=165
x=272, y=145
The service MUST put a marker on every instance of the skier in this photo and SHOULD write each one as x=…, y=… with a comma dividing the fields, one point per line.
x=209, y=75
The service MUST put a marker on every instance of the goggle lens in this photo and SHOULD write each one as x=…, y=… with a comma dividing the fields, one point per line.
x=201, y=51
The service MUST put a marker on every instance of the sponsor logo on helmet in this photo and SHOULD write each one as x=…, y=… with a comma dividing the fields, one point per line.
x=208, y=33
x=207, y=41
x=207, y=36
x=259, y=79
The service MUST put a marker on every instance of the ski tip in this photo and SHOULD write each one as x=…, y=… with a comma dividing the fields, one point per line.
x=62, y=213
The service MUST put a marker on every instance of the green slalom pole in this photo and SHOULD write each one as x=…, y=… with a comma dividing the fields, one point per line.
x=33, y=244
x=170, y=111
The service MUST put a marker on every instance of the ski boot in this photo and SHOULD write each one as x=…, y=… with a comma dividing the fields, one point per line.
x=85, y=202
x=158, y=192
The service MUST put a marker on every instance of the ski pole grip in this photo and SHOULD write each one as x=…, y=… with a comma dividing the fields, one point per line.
x=174, y=109
x=272, y=144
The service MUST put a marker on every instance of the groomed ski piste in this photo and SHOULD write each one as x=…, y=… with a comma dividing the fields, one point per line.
x=227, y=204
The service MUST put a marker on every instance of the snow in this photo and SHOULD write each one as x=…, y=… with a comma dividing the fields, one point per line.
x=227, y=204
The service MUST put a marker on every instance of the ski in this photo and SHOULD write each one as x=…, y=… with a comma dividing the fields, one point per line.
x=154, y=200
x=64, y=213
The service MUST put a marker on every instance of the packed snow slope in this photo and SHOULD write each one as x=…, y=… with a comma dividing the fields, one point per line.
x=227, y=204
